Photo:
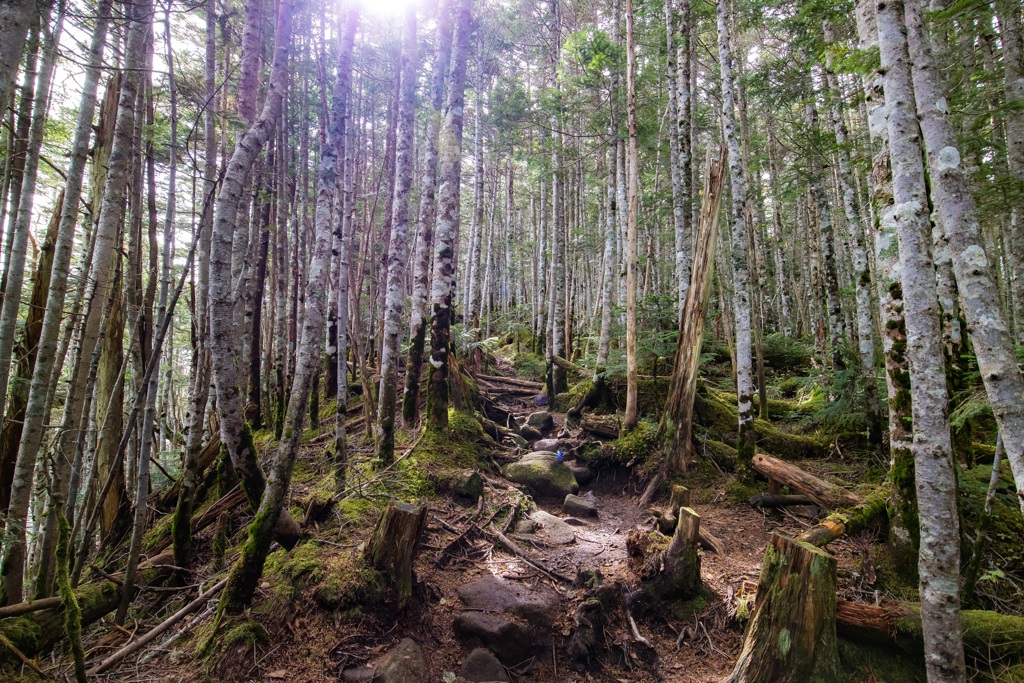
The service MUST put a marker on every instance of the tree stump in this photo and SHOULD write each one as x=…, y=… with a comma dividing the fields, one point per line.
x=792, y=632
x=392, y=547
x=670, y=570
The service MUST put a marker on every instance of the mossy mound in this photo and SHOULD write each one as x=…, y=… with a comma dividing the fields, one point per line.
x=348, y=585
x=460, y=445
x=23, y=633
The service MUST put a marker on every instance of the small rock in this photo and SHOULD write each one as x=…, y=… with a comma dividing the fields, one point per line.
x=481, y=665
x=404, y=663
x=538, y=605
x=520, y=441
x=546, y=445
x=541, y=420
x=584, y=475
x=553, y=529
x=358, y=674
x=543, y=473
x=513, y=643
x=529, y=433
x=581, y=507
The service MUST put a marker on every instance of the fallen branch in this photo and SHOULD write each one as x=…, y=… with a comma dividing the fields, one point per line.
x=153, y=634
x=20, y=655
x=511, y=546
x=766, y=500
x=569, y=366
x=823, y=493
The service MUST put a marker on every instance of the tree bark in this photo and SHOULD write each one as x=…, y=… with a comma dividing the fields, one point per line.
x=979, y=293
x=443, y=279
x=425, y=222
x=741, y=272
x=939, y=560
x=677, y=418
x=235, y=434
x=792, y=631
x=398, y=255
x=633, y=173
x=392, y=547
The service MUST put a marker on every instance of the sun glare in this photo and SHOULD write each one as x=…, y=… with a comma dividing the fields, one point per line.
x=388, y=8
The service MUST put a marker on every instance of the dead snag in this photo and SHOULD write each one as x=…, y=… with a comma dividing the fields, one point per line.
x=823, y=493
x=792, y=632
x=392, y=548
x=849, y=521
x=669, y=569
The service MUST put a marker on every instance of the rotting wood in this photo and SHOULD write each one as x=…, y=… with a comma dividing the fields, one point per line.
x=393, y=545
x=511, y=546
x=823, y=493
x=988, y=636
x=791, y=637
x=851, y=520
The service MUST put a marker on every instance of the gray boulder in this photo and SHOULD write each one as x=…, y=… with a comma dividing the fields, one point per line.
x=543, y=473
x=541, y=420
x=578, y=506
x=482, y=666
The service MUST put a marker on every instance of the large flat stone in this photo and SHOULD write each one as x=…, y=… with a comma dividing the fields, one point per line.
x=538, y=605
x=553, y=529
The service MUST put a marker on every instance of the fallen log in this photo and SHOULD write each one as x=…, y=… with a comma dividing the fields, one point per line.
x=229, y=501
x=511, y=381
x=823, y=493
x=569, y=366
x=988, y=636
x=36, y=633
x=602, y=426
x=156, y=631
x=792, y=633
x=849, y=521
x=766, y=500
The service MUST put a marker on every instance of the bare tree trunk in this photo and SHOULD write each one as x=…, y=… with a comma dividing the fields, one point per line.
x=858, y=253
x=425, y=223
x=954, y=204
x=398, y=255
x=1013, y=66
x=677, y=22
x=245, y=573
x=149, y=417
x=633, y=172
x=235, y=434
x=939, y=563
x=15, y=262
x=443, y=283
x=741, y=273
x=199, y=389
x=15, y=18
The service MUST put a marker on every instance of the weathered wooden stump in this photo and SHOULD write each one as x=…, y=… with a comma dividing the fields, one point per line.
x=392, y=547
x=670, y=571
x=792, y=633
x=667, y=517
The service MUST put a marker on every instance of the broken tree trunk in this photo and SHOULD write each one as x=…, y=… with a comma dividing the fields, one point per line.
x=849, y=521
x=36, y=633
x=392, y=548
x=792, y=632
x=676, y=429
x=823, y=493
x=669, y=571
x=988, y=636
